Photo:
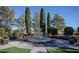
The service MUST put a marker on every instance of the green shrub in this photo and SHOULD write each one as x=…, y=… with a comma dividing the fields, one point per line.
x=68, y=31
x=60, y=27
x=2, y=32
x=52, y=31
x=71, y=41
x=5, y=40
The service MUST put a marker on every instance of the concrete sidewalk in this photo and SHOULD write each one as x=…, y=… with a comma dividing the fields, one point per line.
x=39, y=50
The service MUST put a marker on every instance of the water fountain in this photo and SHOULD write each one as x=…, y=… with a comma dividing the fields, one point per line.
x=39, y=37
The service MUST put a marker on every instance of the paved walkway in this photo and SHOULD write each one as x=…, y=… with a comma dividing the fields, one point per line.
x=41, y=48
x=16, y=44
x=5, y=46
x=20, y=44
x=35, y=47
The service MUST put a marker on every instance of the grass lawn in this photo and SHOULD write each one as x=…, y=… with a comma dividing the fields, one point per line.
x=63, y=50
x=15, y=50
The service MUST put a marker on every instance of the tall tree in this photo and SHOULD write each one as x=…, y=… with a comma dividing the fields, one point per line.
x=6, y=17
x=21, y=22
x=28, y=21
x=6, y=13
x=36, y=20
x=59, y=21
x=48, y=21
x=42, y=21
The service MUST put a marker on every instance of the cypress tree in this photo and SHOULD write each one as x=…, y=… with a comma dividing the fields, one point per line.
x=42, y=21
x=28, y=21
x=48, y=21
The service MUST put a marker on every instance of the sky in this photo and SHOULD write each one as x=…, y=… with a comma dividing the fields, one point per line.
x=69, y=13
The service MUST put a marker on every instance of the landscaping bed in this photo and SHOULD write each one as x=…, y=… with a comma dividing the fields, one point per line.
x=15, y=50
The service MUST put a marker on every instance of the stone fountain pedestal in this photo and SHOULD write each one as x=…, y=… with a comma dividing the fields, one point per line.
x=38, y=37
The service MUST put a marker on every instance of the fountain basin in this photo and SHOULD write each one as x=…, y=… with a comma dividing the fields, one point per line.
x=39, y=40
